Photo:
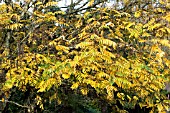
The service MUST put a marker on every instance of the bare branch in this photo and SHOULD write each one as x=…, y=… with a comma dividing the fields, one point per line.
x=79, y=9
x=15, y=103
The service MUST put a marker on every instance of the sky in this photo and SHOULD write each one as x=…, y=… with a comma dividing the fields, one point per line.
x=63, y=3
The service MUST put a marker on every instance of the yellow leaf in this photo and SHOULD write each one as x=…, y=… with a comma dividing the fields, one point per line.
x=110, y=96
x=142, y=40
x=75, y=85
x=8, y=84
x=129, y=25
x=152, y=111
x=87, y=14
x=120, y=95
x=62, y=48
x=38, y=3
x=125, y=1
x=108, y=42
x=168, y=29
x=59, y=101
x=137, y=14
x=149, y=23
x=84, y=44
x=51, y=4
x=41, y=106
x=84, y=91
x=167, y=17
x=129, y=97
x=145, y=34
x=167, y=107
x=135, y=97
x=38, y=98
x=66, y=76
x=161, y=2
x=41, y=86
x=155, y=26
x=3, y=100
x=160, y=107
x=91, y=2
x=90, y=20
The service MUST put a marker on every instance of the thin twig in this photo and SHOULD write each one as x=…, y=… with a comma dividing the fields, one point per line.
x=78, y=10
x=31, y=31
x=14, y=103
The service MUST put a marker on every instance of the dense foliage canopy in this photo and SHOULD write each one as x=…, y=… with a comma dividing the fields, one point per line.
x=85, y=56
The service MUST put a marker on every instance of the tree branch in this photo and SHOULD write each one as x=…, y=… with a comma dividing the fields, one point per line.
x=15, y=103
x=79, y=9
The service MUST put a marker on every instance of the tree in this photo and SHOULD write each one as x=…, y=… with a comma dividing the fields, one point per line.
x=88, y=58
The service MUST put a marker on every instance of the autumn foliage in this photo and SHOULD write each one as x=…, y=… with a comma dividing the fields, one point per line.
x=93, y=58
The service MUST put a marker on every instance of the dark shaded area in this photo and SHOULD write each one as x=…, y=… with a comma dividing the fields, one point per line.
x=71, y=103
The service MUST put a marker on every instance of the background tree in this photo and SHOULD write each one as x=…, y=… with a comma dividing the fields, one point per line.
x=86, y=58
